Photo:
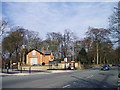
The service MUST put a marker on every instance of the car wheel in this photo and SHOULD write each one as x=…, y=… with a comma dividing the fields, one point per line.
x=119, y=75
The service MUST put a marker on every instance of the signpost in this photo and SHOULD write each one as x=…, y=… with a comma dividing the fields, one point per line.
x=7, y=69
x=65, y=59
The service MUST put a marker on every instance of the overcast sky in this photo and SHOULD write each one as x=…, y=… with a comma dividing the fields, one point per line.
x=46, y=17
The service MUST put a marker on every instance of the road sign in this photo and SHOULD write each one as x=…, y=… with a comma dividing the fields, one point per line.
x=7, y=68
x=65, y=59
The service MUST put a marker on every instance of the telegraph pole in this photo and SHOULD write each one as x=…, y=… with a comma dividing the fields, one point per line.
x=118, y=23
x=118, y=28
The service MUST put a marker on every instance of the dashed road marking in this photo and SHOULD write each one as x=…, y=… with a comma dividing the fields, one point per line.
x=118, y=84
x=66, y=86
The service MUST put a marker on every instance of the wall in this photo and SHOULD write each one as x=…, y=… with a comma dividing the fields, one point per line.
x=34, y=67
x=30, y=55
x=46, y=58
x=41, y=58
x=60, y=66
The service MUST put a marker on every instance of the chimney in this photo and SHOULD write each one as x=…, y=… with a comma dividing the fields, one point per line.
x=42, y=50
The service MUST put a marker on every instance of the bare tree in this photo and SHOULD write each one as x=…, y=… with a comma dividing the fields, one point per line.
x=97, y=36
x=54, y=42
x=114, y=24
x=32, y=40
x=3, y=26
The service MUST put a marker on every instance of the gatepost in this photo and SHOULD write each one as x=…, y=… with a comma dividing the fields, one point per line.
x=30, y=69
x=65, y=59
x=7, y=69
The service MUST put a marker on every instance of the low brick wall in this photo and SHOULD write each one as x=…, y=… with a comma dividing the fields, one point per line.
x=33, y=67
x=60, y=66
x=91, y=66
x=96, y=66
x=86, y=66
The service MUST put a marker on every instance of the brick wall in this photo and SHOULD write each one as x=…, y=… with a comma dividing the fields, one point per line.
x=30, y=55
x=41, y=58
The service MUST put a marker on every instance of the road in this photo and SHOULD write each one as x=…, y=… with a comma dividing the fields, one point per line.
x=90, y=78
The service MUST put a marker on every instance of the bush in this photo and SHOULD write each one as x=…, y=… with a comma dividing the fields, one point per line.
x=43, y=63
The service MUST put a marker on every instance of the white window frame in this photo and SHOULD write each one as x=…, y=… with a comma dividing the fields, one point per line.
x=33, y=52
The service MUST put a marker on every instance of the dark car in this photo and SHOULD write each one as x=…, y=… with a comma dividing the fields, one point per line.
x=36, y=65
x=118, y=65
x=114, y=64
x=119, y=75
x=105, y=67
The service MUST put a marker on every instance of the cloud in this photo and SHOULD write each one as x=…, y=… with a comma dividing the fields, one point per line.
x=57, y=16
x=60, y=1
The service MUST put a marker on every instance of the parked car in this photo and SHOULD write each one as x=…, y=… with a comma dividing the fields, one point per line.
x=105, y=67
x=36, y=65
x=114, y=64
x=119, y=75
x=118, y=65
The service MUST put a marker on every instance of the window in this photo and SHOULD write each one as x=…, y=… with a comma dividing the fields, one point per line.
x=33, y=52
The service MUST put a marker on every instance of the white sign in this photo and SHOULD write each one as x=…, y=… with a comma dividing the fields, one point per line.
x=33, y=52
x=65, y=59
x=14, y=63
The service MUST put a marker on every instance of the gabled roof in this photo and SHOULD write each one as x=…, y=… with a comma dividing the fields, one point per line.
x=38, y=51
x=46, y=52
x=35, y=50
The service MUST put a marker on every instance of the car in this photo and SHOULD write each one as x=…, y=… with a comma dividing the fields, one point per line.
x=118, y=65
x=105, y=67
x=119, y=75
x=36, y=65
x=114, y=65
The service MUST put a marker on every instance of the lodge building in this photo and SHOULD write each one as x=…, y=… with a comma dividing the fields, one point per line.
x=36, y=56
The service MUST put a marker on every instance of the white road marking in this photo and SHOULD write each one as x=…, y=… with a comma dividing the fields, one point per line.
x=66, y=86
x=119, y=84
x=90, y=76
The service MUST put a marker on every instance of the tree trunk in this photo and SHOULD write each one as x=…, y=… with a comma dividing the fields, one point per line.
x=23, y=58
x=97, y=54
x=10, y=61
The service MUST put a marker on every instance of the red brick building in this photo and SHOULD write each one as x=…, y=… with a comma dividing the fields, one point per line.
x=39, y=56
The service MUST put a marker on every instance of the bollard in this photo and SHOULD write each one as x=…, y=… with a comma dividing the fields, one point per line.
x=29, y=69
x=7, y=69
x=2, y=70
x=21, y=70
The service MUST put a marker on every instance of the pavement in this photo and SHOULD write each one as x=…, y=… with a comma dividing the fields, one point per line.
x=33, y=72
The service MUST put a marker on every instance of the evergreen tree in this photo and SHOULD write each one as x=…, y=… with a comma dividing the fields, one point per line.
x=82, y=56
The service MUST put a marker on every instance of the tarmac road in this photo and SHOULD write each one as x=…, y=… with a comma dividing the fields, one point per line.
x=90, y=78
